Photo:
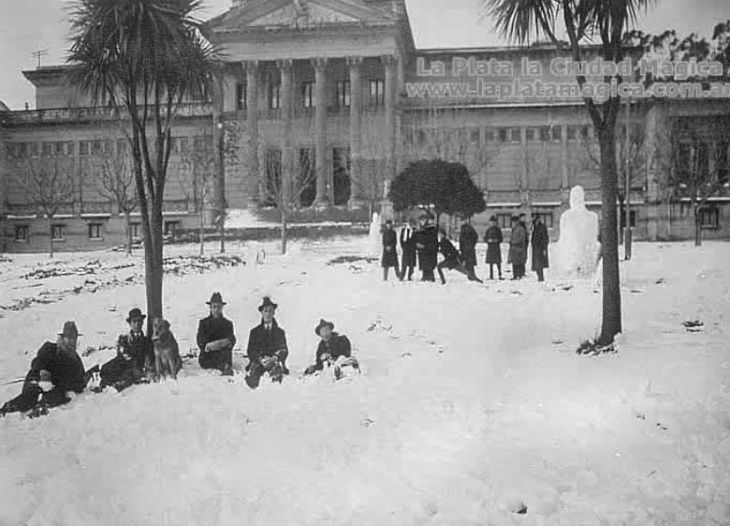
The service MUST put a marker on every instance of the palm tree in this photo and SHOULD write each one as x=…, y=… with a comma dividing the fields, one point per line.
x=144, y=58
x=599, y=21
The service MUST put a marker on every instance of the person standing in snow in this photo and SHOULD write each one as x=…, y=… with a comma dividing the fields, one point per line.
x=493, y=238
x=267, y=349
x=55, y=371
x=216, y=338
x=452, y=259
x=134, y=355
x=540, y=242
x=333, y=350
x=426, y=239
x=390, y=254
x=468, y=239
x=518, y=248
x=408, y=249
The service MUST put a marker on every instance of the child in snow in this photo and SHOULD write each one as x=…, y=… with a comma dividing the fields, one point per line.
x=334, y=350
x=55, y=371
x=267, y=350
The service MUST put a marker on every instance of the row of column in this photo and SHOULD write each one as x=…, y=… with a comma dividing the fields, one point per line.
x=324, y=184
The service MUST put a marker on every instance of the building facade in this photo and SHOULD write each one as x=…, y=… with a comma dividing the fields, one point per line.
x=324, y=101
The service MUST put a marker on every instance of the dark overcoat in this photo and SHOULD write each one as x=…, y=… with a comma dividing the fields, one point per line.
x=468, y=239
x=540, y=241
x=211, y=329
x=452, y=258
x=390, y=254
x=67, y=370
x=338, y=345
x=493, y=238
x=518, y=245
x=427, y=238
x=408, y=246
x=265, y=343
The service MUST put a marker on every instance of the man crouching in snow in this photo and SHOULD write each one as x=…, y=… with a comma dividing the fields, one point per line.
x=267, y=350
x=134, y=356
x=334, y=350
x=55, y=371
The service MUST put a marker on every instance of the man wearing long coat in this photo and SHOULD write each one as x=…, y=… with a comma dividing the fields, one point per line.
x=390, y=254
x=267, y=349
x=493, y=238
x=427, y=246
x=518, y=248
x=468, y=239
x=540, y=240
x=408, y=249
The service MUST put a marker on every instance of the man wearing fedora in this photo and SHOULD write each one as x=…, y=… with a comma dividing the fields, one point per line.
x=135, y=355
x=267, y=349
x=427, y=246
x=540, y=240
x=216, y=338
x=334, y=349
x=55, y=371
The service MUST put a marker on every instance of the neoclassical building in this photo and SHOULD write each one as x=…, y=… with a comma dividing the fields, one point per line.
x=326, y=100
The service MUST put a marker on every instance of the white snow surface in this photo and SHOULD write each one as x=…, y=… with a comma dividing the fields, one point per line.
x=471, y=402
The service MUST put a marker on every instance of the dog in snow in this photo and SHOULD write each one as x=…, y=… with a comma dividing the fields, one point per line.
x=167, y=352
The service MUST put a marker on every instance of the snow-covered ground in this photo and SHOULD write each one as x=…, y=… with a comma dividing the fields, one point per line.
x=472, y=401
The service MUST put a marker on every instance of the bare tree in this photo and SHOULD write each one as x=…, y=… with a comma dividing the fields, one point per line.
x=116, y=182
x=200, y=165
x=50, y=187
x=287, y=195
x=698, y=166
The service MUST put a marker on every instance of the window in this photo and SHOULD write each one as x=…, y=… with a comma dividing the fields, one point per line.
x=241, y=96
x=274, y=95
x=632, y=218
x=308, y=98
x=22, y=149
x=341, y=175
x=343, y=94
x=94, y=230
x=489, y=135
x=58, y=148
x=58, y=232
x=171, y=228
x=474, y=135
x=181, y=144
x=544, y=133
x=108, y=147
x=585, y=133
x=546, y=218
x=572, y=133
x=35, y=149
x=377, y=92
x=83, y=147
x=504, y=220
x=136, y=230
x=272, y=158
x=70, y=147
x=22, y=233
x=503, y=134
x=709, y=218
x=514, y=135
x=96, y=147
x=122, y=146
x=556, y=133
x=531, y=134
x=10, y=151
x=47, y=149
x=307, y=176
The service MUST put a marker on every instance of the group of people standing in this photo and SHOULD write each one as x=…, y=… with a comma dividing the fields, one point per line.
x=426, y=241
x=57, y=370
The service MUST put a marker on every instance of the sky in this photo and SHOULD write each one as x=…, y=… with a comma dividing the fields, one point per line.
x=30, y=25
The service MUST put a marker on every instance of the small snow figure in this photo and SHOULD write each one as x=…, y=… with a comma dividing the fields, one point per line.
x=267, y=349
x=390, y=255
x=452, y=259
x=216, y=338
x=493, y=238
x=374, y=235
x=56, y=370
x=578, y=249
x=334, y=350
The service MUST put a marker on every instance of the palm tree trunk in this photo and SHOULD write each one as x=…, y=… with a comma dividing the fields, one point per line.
x=611, y=322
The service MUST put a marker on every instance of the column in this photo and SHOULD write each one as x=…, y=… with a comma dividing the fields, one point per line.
x=323, y=198
x=287, y=154
x=356, y=182
x=390, y=62
x=252, y=122
x=219, y=180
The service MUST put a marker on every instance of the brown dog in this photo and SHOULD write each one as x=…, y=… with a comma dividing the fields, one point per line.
x=167, y=353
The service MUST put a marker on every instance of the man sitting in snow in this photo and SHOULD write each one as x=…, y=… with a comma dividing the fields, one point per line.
x=267, y=350
x=134, y=355
x=216, y=338
x=333, y=351
x=55, y=371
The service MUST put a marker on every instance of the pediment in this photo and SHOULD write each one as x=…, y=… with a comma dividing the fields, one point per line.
x=300, y=14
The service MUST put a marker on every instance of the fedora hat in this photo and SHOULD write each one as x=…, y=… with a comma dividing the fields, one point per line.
x=216, y=298
x=323, y=323
x=267, y=303
x=69, y=329
x=135, y=314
